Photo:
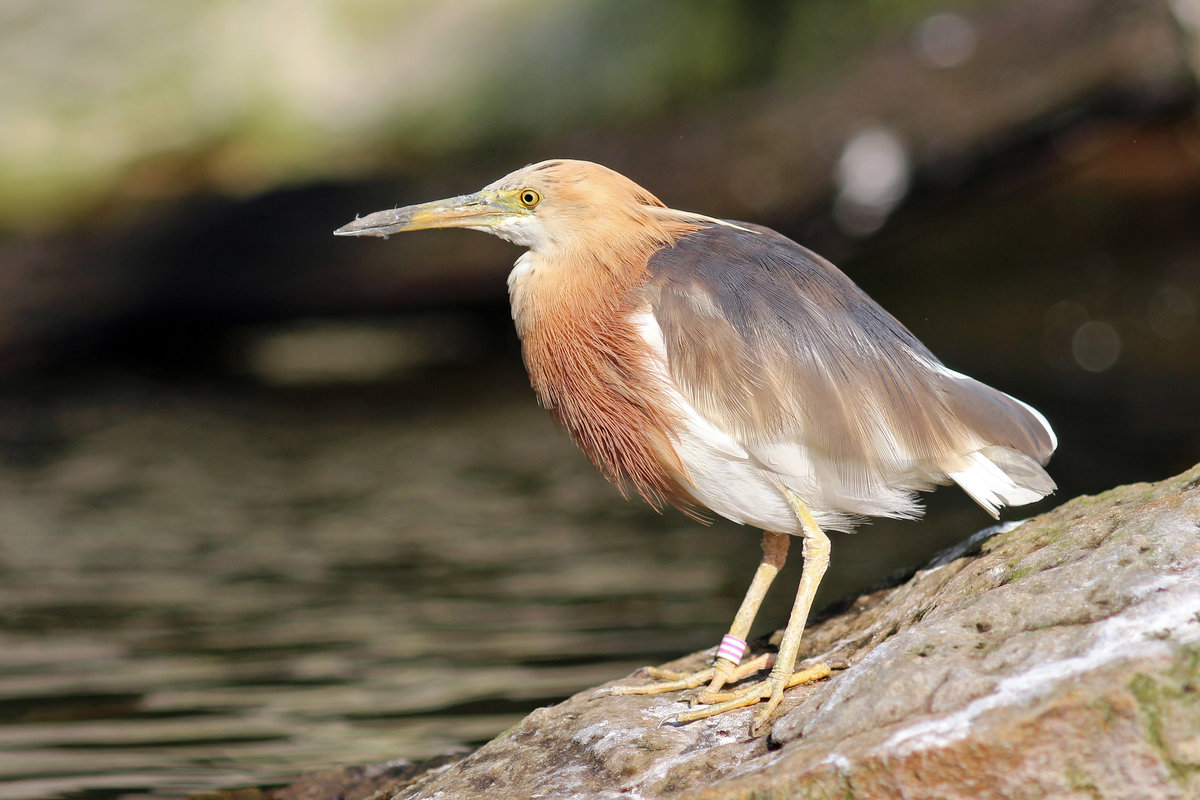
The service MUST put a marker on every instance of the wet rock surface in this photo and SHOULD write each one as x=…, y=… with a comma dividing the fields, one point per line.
x=1058, y=657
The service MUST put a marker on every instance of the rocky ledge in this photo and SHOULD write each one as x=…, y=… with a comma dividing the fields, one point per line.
x=1056, y=657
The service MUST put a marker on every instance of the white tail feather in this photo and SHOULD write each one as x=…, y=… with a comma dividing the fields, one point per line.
x=998, y=476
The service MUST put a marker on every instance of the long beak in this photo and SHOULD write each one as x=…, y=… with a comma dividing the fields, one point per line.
x=479, y=211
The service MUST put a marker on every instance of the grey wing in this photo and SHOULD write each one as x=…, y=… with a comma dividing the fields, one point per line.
x=779, y=349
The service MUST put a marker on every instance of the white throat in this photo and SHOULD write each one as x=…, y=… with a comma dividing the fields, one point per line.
x=524, y=231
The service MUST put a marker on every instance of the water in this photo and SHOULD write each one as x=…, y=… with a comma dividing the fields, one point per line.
x=212, y=585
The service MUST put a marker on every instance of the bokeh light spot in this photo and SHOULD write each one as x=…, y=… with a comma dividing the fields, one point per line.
x=1171, y=312
x=1096, y=346
x=945, y=40
x=872, y=175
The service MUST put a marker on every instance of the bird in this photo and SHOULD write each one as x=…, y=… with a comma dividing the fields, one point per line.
x=722, y=368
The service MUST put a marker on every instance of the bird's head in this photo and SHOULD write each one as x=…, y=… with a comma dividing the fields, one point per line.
x=539, y=206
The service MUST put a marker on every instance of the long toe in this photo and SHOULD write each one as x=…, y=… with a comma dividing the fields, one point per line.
x=768, y=691
x=761, y=724
x=690, y=681
x=749, y=696
x=660, y=674
x=809, y=674
x=713, y=694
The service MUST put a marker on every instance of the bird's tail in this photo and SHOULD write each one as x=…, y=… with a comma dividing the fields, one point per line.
x=999, y=476
x=1015, y=440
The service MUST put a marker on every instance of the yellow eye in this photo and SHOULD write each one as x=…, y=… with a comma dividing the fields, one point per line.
x=529, y=197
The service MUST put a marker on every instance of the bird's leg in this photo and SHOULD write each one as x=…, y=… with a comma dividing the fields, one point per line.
x=725, y=668
x=816, y=561
x=783, y=674
x=733, y=645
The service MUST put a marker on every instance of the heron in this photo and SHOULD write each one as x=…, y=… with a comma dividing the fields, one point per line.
x=722, y=368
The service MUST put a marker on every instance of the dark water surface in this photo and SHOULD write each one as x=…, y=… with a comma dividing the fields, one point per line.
x=205, y=586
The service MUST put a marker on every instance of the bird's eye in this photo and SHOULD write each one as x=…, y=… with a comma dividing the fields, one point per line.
x=529, y=197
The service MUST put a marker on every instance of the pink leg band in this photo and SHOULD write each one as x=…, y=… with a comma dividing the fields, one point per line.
x=732, y=648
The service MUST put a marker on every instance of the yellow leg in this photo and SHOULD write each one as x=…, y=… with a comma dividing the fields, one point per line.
x=775, y=548
x=783, y=674
x=723, y=671
x=816, y=561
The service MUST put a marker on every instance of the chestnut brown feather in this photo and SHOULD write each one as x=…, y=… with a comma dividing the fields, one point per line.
x=586, y=360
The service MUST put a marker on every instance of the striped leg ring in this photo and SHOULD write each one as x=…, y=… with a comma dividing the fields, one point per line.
x=731, y=648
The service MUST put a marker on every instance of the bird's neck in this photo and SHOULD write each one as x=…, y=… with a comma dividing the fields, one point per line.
x=589, y=364
x=568, y=281
x=571, y=312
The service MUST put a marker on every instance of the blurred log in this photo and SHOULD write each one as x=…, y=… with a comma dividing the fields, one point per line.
x=956, y=94
x=959, y=89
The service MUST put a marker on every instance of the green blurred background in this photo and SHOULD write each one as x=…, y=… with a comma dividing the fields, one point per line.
x=271, y=500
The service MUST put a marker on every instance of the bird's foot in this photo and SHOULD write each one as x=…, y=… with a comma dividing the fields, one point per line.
x=769, y=692
x=660, y=674
x=668, y=681
x=671, y=681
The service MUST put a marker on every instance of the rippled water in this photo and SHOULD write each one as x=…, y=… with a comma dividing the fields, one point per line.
x=207, y=586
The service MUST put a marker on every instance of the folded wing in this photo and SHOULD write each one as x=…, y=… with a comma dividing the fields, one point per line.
x=828, y=394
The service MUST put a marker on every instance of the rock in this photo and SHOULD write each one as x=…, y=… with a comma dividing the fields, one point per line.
x=1056, y=657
